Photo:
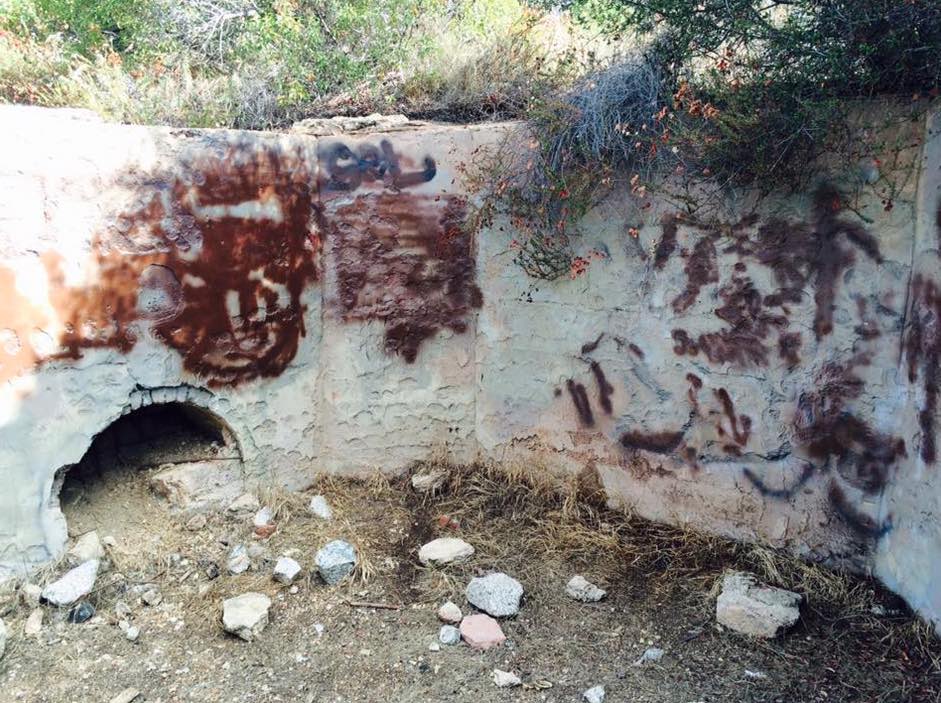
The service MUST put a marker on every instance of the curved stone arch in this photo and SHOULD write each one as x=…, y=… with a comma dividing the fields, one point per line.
x=197, y=403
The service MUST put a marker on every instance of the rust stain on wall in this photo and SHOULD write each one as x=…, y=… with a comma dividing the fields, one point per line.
x=211, y=256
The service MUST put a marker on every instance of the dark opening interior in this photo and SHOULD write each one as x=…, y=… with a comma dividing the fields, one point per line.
x=117, y=466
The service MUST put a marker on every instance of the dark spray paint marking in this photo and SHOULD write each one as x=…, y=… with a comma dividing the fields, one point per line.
x=861, y=523
x=923, y=350
x=605, y=389
x=346, y=169
x=701, y=269
x=656, y=442
x=789, y=345
x=589, y=347
x=739, y=436
x=581, y=402
x=780, y=493
x=667, y=244
x=636, y=350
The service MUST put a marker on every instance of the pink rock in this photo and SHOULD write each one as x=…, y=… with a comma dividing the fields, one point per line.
x=482, y=632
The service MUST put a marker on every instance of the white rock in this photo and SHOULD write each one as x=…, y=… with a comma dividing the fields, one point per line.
x=245, y=503
x=753, y=609
x=239, y=561
x=428, y=482
x=246, y=616
x=434, y=647
x=445, y=550
x=505, y=679
x=126, y=696
x=498, y=595
x=286, y=570
x=263, y=517
x=319, y=507
x=33, y=624
x=336, y=561
x=73, y=585
x=86, y=548
x=132, y=633
x=595, y=694
x=650, y=656
x=448, y=634
x=3, y=638
x=450, y=613
x=583, y=590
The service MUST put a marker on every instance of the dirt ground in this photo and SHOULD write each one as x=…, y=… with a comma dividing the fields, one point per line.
x=320, y=648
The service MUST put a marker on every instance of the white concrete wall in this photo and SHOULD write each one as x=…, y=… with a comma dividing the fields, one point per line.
x=325, y=304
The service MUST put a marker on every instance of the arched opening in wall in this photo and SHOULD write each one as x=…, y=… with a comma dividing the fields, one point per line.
x=144, y=466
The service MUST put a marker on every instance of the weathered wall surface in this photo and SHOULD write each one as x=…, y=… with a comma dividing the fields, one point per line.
x=771, y=374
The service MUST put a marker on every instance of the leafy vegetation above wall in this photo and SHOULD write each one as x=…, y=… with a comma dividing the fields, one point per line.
x=745, y=94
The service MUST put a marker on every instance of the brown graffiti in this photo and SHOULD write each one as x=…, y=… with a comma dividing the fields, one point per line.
x=212, y=255
x=749, y=324
x=403, y=260
x=656, y=442
x=589, y=347
x=739, y=426
x=789, y=345
x=825, y=427
x=798, y=254
x=581, y=403
x=667, y=244
x=605, y=389
x=923, y=351
x=701, y=269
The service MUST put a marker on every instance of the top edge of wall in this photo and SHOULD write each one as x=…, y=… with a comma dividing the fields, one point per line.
x=310, y=127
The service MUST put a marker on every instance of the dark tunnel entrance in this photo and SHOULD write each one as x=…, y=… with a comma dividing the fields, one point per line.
x=157, y=457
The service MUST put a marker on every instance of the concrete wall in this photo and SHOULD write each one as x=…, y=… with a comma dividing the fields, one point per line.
x=769, y=373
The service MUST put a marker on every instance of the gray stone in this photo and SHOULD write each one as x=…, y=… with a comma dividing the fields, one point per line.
x=448, y=634
x=3, y=638
x=320, y=508
x=505, y=679
x=122, y=610
x=73, y=585
x=749, y=608
x=286, y=570
x=450, y=613
x=580, y=589
x=498, y=595
x=650, y=656
x=239, y=561
x=336, y=561
x=86, y=548
x=246, y=616
x=595, y=694
x=445, y=550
